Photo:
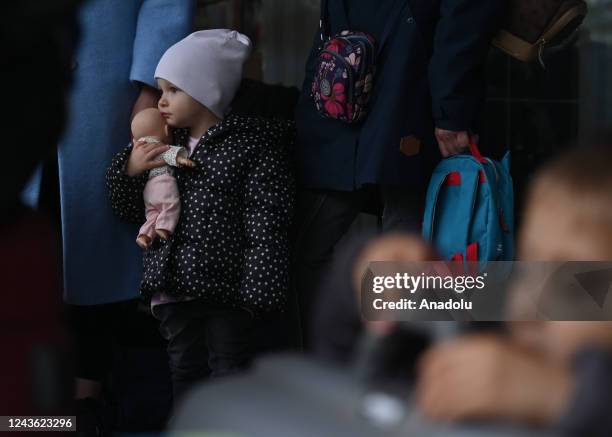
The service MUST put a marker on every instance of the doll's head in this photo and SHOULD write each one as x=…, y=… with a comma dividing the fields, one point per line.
x=150, y=123
x=201, y=74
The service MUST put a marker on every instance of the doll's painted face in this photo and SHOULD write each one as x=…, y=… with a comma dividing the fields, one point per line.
x=178, y=108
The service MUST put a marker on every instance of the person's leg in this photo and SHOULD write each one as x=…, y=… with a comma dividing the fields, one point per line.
x=322, y=218
x=182, y=324
x=403, y=208
x=93, y=329
x=92, y=334
x=229, y=337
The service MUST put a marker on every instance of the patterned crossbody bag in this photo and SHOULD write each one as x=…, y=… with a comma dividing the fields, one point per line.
x=345, y=67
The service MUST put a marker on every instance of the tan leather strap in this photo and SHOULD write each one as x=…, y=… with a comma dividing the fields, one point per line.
x=525, y=51
x=514, y=46
x=563, y=21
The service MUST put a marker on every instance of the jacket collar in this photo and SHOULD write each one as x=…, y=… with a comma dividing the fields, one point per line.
x=230, y=122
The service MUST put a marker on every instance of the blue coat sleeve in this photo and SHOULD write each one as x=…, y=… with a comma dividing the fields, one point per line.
x=461, y=42
x=161, y=23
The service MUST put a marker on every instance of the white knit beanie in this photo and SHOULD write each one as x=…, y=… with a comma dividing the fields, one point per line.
x=207, y=65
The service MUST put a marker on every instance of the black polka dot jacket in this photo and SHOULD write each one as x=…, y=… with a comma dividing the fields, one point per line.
x=231, y=243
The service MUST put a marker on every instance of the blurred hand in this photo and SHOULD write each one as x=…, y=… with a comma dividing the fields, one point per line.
x=487, y=377
x=397, y=247
x=451, y=142
x=143, y=157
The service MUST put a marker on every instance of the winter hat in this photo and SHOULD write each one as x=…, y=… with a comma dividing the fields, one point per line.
x=207, y=65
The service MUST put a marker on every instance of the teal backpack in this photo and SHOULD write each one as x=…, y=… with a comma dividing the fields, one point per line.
x=469, y=210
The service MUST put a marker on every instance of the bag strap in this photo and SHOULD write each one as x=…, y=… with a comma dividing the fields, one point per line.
x=325, y=28
x=324, y=22
x=475, y=152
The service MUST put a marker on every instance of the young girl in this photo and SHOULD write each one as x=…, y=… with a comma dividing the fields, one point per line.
x=228, y=257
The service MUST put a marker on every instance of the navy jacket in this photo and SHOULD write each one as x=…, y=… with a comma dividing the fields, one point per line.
x=430, y=73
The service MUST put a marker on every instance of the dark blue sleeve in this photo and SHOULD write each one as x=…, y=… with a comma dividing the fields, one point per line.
x=461, y=42
x=590, y=410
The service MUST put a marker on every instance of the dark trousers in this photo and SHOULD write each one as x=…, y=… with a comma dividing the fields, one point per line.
x=118, y=345
x=204, y=341
x=323, y=217
x=101, y=331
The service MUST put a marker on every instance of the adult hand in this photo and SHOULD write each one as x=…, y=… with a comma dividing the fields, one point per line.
x=451, y=142
x=143, y=157
x=147, y=98
x=487, y=377
x=392, y=247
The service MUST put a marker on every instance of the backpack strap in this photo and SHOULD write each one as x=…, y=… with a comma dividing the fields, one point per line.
x=465, y=210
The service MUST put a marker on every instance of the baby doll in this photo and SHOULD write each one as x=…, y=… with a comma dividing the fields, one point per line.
x=161, y=195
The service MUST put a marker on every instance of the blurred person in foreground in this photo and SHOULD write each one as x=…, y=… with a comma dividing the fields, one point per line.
x=34, y=377
x=556, y=375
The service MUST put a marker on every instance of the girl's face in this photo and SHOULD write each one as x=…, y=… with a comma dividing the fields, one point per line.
x=178, y=108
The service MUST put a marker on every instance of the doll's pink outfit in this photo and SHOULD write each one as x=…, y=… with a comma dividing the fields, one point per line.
x=161, y=194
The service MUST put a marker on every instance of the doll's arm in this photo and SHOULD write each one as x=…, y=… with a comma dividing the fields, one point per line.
x=176, y=156
x=125, y=192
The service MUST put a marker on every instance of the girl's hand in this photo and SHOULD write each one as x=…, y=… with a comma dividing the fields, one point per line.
x=143, y=157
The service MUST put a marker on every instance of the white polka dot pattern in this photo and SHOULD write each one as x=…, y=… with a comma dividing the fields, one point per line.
x=231, y=243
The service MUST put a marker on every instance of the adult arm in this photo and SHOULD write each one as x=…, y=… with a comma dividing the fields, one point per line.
x=456, y=71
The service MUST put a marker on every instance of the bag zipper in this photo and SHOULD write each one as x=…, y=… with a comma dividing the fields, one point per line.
x=349, y=70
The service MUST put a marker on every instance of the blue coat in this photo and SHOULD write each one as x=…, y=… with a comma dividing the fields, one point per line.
x=429, y=74
x=121, y=43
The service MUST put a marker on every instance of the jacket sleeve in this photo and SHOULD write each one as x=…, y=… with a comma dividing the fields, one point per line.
x=456, y=71
x=269, y=202
x=161, y=23
x=125, y=192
